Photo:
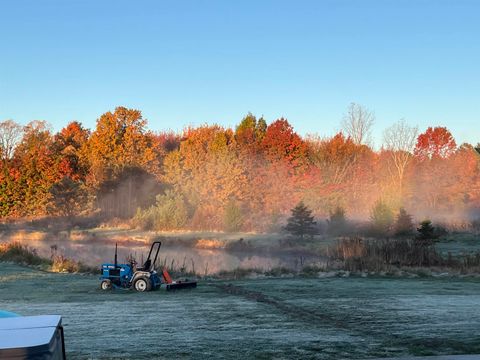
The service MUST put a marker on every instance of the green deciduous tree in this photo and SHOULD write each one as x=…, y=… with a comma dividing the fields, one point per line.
x=250, y=132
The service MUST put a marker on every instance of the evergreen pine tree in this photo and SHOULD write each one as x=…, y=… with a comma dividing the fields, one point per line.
x=301, y=222
x=403, y=223
x=426, y=232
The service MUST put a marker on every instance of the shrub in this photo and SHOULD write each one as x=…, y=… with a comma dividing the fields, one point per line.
x=426, y=232
x=337, y=222
x=169, y=212
x=278, y=271
x=21, y=254
x=61, y=263
x=381, y=218
x=144, y=218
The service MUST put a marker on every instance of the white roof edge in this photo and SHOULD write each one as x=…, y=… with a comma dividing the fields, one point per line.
x=30, y=322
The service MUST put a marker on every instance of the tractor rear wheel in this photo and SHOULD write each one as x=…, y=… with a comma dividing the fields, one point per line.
x=106, y=285
x=142, y=284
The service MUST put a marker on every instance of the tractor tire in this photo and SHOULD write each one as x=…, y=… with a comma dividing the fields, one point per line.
x=142, y=284
x=106, y=285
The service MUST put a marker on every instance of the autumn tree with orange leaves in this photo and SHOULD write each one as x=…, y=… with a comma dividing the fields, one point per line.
x=38, y=171
x=122, y=162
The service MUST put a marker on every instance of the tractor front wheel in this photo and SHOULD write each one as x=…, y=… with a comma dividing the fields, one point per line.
x=142, y=284
x=106, y=285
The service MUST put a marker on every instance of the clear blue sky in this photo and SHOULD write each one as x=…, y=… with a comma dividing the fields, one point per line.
x=191, y=62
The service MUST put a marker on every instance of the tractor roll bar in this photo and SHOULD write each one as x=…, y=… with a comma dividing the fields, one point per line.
x=156, y=254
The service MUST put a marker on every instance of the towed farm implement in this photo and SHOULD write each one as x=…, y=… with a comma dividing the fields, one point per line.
x=145, y=278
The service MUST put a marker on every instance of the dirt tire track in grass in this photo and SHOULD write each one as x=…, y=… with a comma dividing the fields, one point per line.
x=413, y=345
x=291, y=310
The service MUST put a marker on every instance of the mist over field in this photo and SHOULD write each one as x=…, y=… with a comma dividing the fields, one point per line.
x=241, y=179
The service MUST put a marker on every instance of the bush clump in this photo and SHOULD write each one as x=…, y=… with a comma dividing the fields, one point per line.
x=63, y=264
x=21, y=254
x=337, y=222
x=426, y=232
x=170, y=212
x=382, y=219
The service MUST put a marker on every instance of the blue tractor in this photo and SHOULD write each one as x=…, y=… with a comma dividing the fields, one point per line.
x=129, y=276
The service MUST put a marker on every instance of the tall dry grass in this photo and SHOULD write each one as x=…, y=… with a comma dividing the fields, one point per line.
x=358, y=254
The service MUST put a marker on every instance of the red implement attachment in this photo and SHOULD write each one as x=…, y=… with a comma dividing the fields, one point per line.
x=179, y=284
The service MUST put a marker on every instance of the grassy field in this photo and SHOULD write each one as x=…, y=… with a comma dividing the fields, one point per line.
x=459, y=244
x=325, y=318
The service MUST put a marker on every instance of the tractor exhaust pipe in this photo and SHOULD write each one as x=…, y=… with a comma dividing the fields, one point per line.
x=116, y=265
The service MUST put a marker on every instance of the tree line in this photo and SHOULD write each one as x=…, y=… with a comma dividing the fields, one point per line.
x=244, y=178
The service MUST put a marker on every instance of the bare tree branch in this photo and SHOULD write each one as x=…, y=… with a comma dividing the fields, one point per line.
x=10, y=134
x=399, y=140
x=357, y=124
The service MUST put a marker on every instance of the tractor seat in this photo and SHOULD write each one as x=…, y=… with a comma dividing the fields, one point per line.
x=146, y=266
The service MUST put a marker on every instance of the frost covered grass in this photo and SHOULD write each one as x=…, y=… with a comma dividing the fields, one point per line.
x=287, y=318
x=459, y=243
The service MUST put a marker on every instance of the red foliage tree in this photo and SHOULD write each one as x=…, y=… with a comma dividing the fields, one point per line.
x=282, y=143
x=166, y=141
x=435, y=142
